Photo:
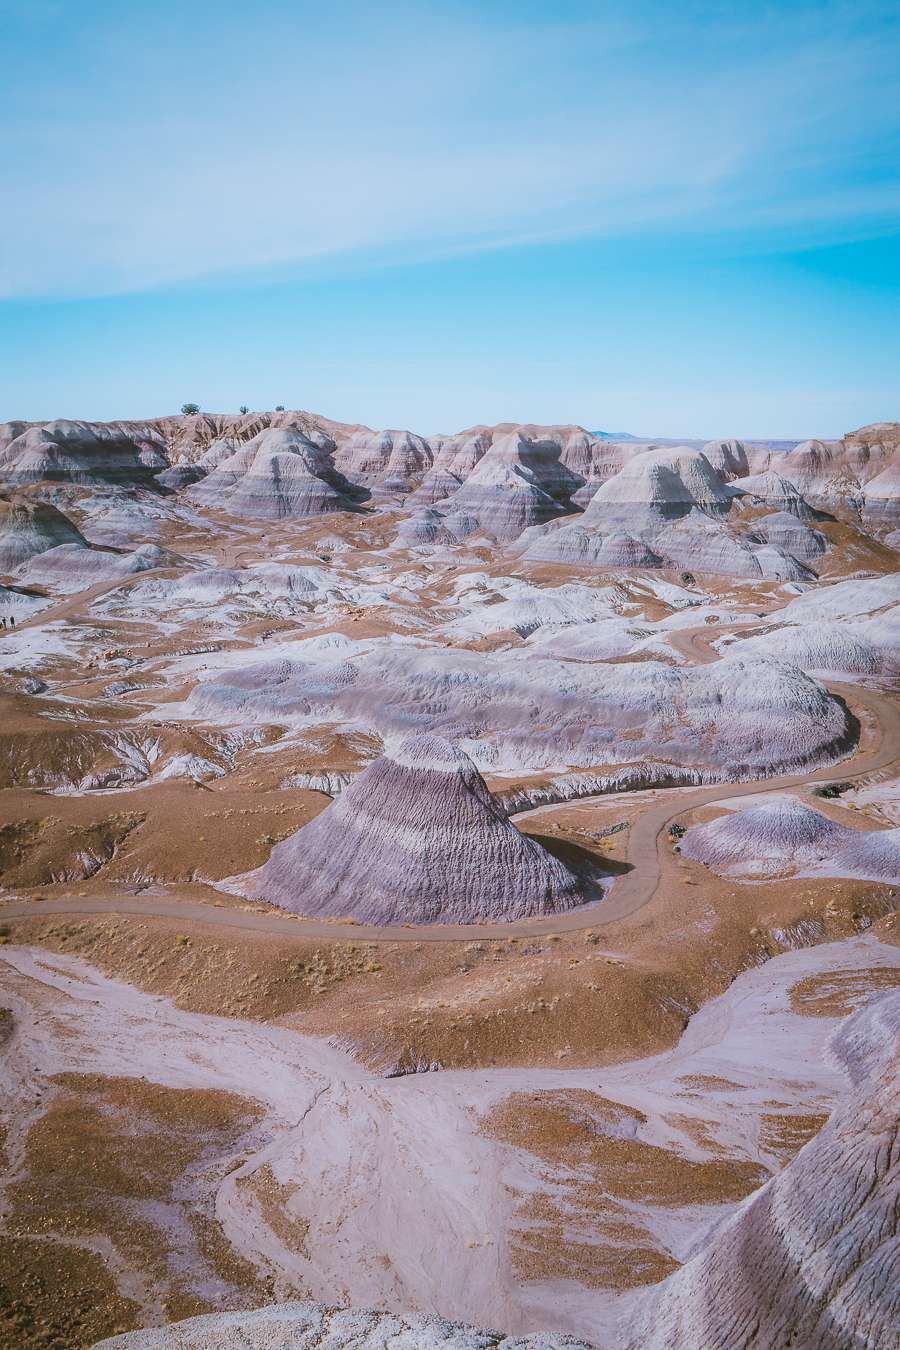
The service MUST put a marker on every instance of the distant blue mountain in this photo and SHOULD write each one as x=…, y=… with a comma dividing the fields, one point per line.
x=665, y=442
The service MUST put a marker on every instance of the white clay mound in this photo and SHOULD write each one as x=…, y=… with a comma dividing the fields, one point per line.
x=660, y=486
x=28, y=528
x=708, y=545
x=779, y=493
x=812, y=465
x=454, y=459
x=736, y=459
x=846, y=599
x=670, y=508
x=882, y=496
x=525, y=613
x=862, y=467
x=417, y=838
x=575, y=544
x=775, y=837
x=825, y=645
x=589, y=641
x=786, y=837
x=372, y=455
x=313, y=1326
x=117, y=516
x=783, y=530
x=436, y=526
x=811, y=1261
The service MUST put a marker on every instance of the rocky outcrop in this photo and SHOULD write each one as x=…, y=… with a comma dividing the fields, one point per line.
x=75, y=567
x=185, y=473
x=313, y=1326
x=417, y=838
x=519, y=483
x=29, y=527
x=736, y=459
x=279, y=474
x=811, y=1260
x=859, y=472
x=80, y=452
x=670, y=508
x=371, y=456
x=190, y=438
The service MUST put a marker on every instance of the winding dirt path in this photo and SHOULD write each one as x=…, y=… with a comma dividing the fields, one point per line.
x=74, y=605
x=631, y=892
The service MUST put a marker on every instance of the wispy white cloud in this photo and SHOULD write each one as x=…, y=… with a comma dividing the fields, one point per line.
x=143, y=145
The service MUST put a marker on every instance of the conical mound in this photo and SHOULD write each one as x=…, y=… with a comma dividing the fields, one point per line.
x=417, y=838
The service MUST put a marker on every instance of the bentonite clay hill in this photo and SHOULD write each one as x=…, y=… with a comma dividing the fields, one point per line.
x=418, y=838
x=812, y=1262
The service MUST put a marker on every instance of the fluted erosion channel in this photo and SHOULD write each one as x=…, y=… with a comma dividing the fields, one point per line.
x=428, y=1192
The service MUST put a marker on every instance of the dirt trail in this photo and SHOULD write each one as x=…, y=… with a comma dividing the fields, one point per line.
x=359, y=1168
x=74, y=605
x=631, y=891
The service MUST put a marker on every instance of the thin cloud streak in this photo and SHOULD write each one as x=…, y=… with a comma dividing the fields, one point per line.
x=195, y=159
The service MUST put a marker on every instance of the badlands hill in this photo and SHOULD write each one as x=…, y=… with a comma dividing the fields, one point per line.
x=786, y=837
x=559, y=494
x=30, y=527
x=809, y=1262
x=418, y=838
x=432, y=871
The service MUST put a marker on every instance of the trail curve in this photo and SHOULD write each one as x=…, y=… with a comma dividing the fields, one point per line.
x=631, y=892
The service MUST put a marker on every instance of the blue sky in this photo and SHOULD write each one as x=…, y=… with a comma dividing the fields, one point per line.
x=673, y=220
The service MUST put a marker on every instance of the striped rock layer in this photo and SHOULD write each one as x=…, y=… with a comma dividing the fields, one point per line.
x=29, y=527
x=417, y=838
x=812, y=1261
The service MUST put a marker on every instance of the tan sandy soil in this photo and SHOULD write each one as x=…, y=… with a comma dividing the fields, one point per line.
x=275, y=1165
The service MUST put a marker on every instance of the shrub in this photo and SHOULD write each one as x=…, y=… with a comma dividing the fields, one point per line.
x=243, y=408
x=189, y=409
x=831, y=789
x=688, y=579
x=279, y=407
